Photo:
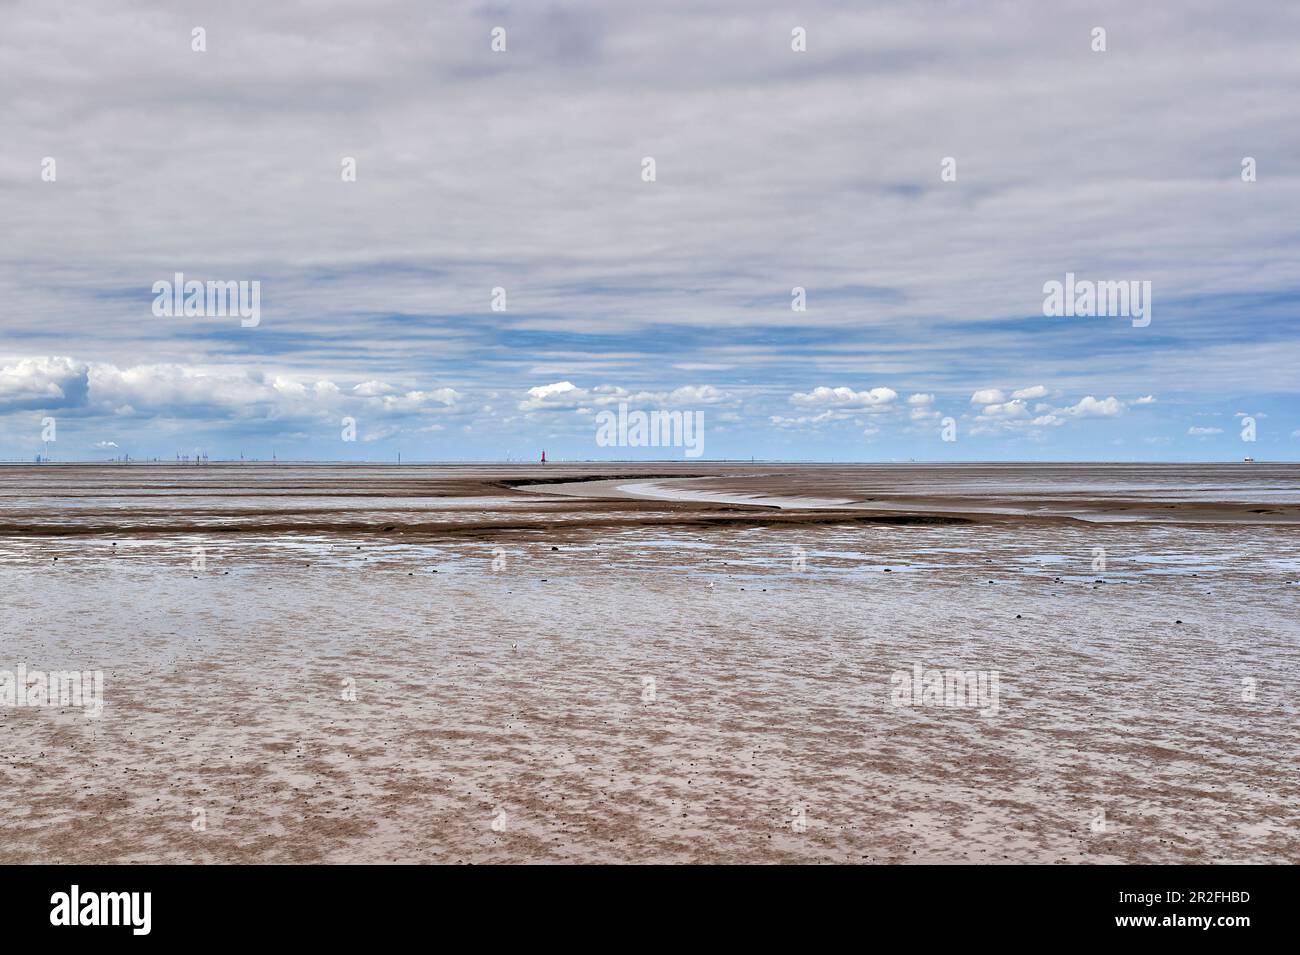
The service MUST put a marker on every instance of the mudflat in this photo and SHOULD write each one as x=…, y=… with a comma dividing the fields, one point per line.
x=652, y=662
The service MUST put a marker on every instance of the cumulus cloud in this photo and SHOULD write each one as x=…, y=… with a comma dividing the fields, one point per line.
x=1090, y=407
x=566, y=396
x=222, y=395
x=921, y=407
x=1007, y=409
x=825, y=405
x=695, y=395
x=875, y=399
x=420, y=400
x=1014, y=416
x=556, y=394
x=48, y=383
x=379, y=434
x=996, y=402
x=1035, y=391
x=802, y=421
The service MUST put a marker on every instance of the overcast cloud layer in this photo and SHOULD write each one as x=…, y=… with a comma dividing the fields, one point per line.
x=775, y=169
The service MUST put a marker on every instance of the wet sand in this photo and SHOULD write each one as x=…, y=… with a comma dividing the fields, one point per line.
x=454, y=664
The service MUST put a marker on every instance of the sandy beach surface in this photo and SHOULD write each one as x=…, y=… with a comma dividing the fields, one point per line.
x=653, y=663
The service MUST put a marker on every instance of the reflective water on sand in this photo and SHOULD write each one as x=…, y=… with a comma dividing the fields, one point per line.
x=609, y=688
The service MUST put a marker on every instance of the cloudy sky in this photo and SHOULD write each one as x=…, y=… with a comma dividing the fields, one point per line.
x=523, y=170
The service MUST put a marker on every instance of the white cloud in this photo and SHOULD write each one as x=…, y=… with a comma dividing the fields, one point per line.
x=208, y=396
x=1014, y=416
x=1090, y=407
x=845, y=398
x=1008, y=409
x=695, y=395
x=1035, y=391
x=803, y=421
x=420, y=400
x=42, y=382
x=566, y=396
x=560, y=394
x=1202, y=432
x=379, y=434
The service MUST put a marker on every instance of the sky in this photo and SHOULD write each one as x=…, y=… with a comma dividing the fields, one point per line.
x=920, y=170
